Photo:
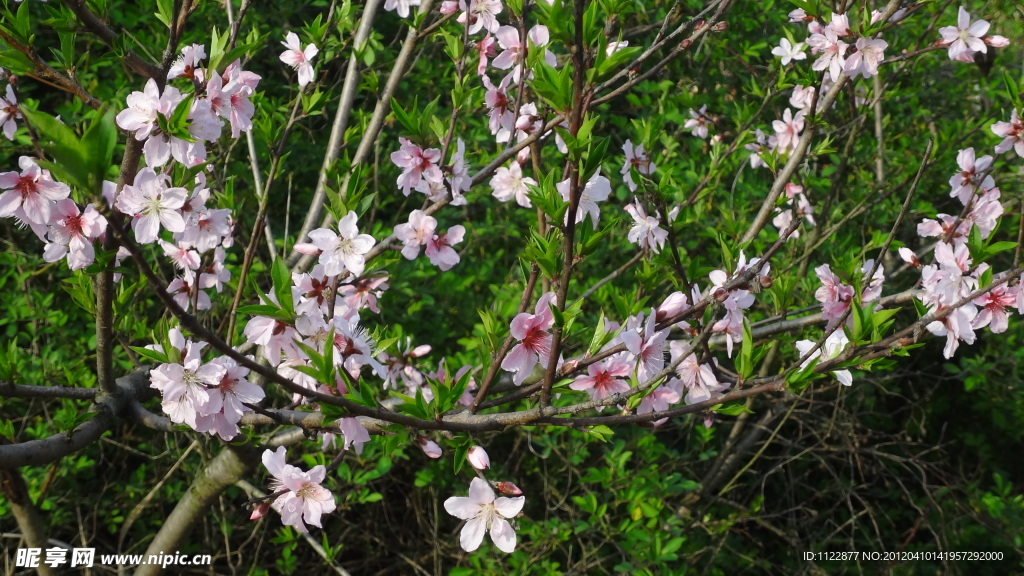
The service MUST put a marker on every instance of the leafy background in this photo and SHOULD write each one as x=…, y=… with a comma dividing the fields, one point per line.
x=919, y=454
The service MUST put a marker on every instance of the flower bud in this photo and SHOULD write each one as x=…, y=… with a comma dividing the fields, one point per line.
x=721, y=295
x=260, y=511
x=508, y=489
x=720, y=27
x=478, y=458
x=429, y=447
x=765, y=281
x=685, y=44
x=673, y=306
x=909, y=257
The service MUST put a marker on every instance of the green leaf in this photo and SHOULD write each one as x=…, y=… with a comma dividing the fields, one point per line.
x=153, y=355
x=601, y=432
x=282, y=278
x=734, y=408
x=165, y=11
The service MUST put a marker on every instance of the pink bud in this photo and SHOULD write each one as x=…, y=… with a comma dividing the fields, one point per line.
x=673, y=306
x=478, y=458
x=260, y=511
x=420, y=351
x=306, y=248
x=709, y=419
x=909, y=257
x=429, y=447
x=720, y=295
x=449, y=7
x=509, y=489
x=996, y=41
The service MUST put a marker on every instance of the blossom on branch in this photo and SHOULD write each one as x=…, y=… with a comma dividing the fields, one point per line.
x=298, y=58
x=343, y=251
x=30, y=194
x=531, y=330
x=789, y=51
x=965, y=38
x=483, y=512
x=151, y=204
x=304, y=498
x=72, y=232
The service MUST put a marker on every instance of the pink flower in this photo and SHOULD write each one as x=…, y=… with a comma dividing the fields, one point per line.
x=509, y=183
x=993, y=309
x=605, y=378
x=31, y=193
x=698, y=122
x=478, y=458
x=866, y=59
x=185, y=292
x=531, y=330
x=483, y=512
x=969, y=180
x=956, y=326
x=832, y=50
x=481, y=15
x=635, y=158
x=515, y=50
x=185, y=387
x=415, y=233
x=345, y=251
x=152, y=204
x=834, y=295
x=459, y=179
x=787, y=130
x=417, y=164
x=305, y=498
x=645, y=344
x=72, y=234
x=661, y=398
x=596, y=190
x=965, y=38
x=187, y=65
x=402, y=6
x=698, y=379
x=275, y=336
x=485, y=48
x=646, y=231
x=832, y=347
x=498, y=102
x=354, y=433
x=801, y=98
x=1012, y=133
x=143, y=107
x=439, y=247
x=235, y=391
x=298, y=58
x=8, y=112
x=789, y=51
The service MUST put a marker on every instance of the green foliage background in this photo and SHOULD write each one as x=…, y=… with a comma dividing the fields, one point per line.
x=919, y=454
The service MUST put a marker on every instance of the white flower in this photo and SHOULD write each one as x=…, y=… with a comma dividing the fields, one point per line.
x=647, y=231
x=344, y=252
x=965, y=38
x=299, y=59
x=789, y=51
x=834, y=344
x=597, y=190
x=509, y=183
x=483, y=511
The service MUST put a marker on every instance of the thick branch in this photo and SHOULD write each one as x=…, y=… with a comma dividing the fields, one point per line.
x=38, y=452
